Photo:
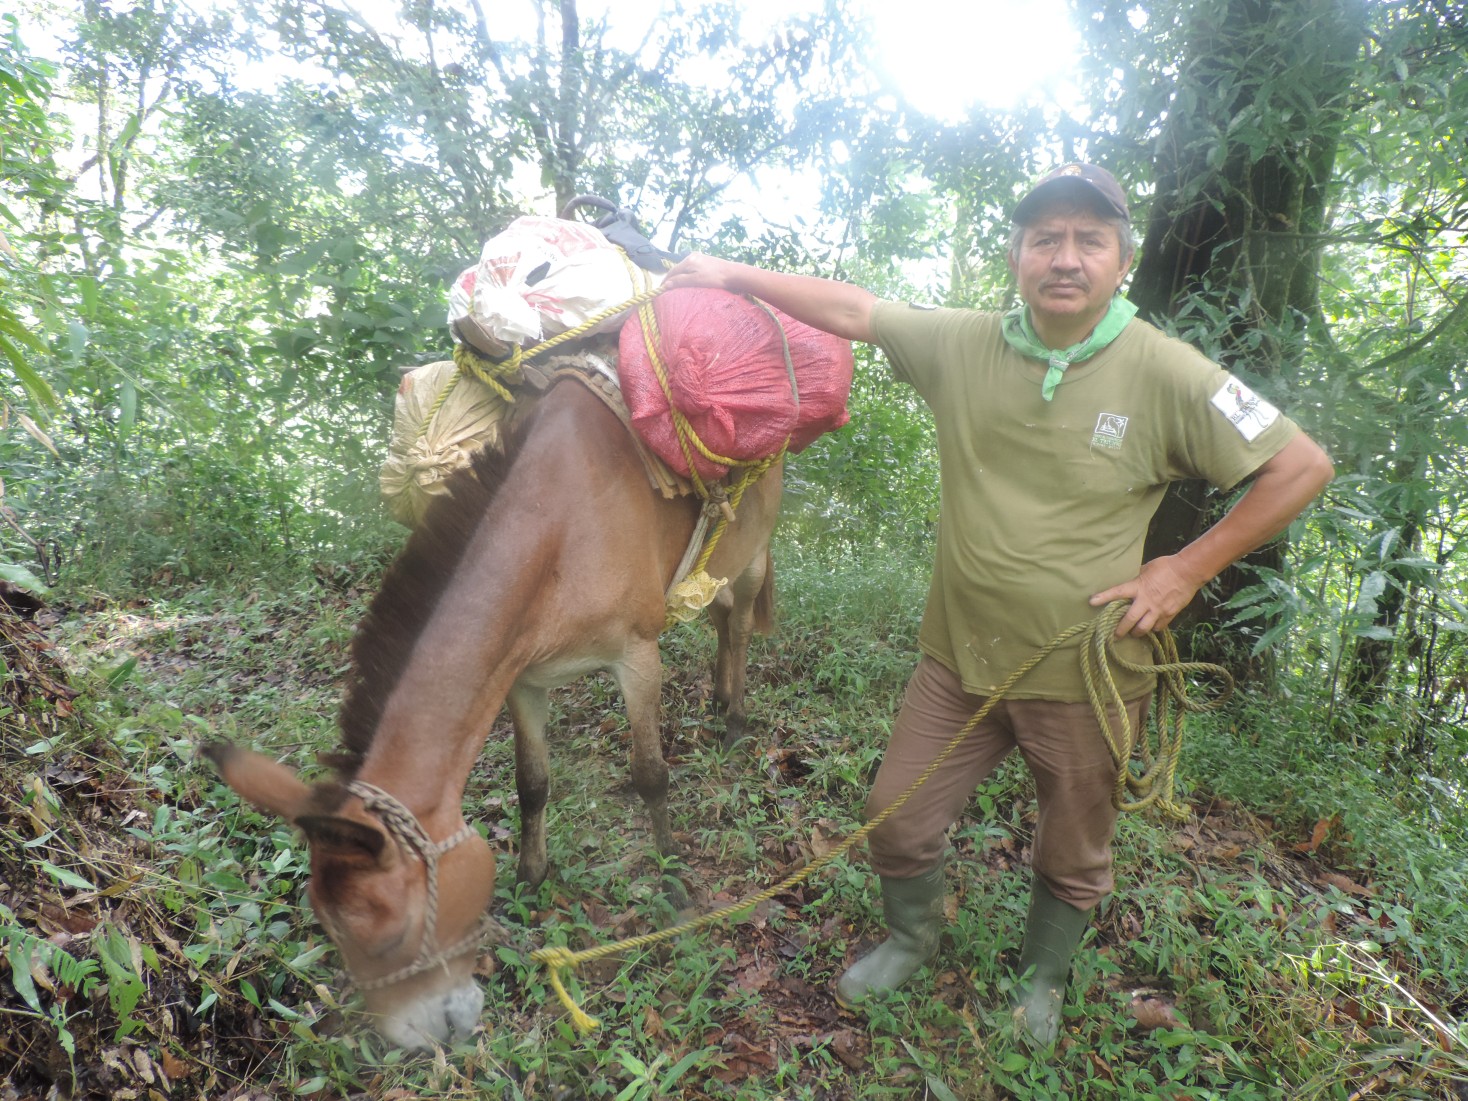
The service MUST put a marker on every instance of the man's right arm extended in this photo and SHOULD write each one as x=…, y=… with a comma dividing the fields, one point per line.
x=838, y=308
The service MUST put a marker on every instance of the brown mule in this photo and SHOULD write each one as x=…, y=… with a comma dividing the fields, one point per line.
x=549, y=562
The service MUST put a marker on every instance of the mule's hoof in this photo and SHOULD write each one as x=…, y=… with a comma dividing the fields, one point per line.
x=734, y=737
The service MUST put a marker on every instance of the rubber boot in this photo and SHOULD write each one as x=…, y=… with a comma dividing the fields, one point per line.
x=1052, y=932
x=914, y=912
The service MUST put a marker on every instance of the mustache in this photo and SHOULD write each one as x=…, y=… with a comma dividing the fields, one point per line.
x=1066, y=281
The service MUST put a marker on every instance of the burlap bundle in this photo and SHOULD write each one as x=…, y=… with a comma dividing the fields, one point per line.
x=440, y=419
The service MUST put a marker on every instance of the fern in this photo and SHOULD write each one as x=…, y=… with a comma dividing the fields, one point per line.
x=124, y=985
x=25, y=951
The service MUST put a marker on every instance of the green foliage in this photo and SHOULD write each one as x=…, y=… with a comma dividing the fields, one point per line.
x=873, y=481
x=28, y=954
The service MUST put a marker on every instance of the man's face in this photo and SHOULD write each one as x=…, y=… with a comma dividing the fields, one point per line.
x=1069, y=266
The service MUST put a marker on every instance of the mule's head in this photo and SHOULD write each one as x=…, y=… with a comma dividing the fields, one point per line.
x=371, y=888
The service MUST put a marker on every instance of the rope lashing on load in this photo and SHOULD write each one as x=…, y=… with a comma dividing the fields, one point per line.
x=697, y=590
x=500, y=374
x=1153, y=786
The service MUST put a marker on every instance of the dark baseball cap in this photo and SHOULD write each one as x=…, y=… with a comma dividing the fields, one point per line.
x=1084, y=183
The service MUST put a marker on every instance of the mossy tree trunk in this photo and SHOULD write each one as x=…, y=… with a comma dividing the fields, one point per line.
x=1230, y=256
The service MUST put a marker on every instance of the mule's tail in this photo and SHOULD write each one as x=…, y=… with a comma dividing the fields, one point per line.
x=764, y=601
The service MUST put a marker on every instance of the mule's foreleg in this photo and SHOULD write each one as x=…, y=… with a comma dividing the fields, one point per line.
x=529, y=711
x=640, y=676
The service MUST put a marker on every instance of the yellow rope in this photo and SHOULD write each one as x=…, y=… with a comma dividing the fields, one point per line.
x=443, y=396
x=694, y=592
x=488, y=371
x=491, y=371
x=1154, y=785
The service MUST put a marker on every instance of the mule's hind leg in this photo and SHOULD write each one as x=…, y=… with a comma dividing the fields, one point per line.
x=640, y=676
x=735, y=621
x=529, y=710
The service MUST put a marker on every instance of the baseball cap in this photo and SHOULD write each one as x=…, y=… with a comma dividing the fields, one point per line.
x=1087, y=183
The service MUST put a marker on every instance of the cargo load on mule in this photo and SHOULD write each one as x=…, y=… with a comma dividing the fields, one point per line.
x=746, y=380
x=711, y=383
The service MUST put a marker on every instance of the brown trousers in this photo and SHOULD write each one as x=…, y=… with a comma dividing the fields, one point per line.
x=1060, y=742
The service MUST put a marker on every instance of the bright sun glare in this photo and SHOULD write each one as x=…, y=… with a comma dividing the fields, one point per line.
x=944, y=57
x=947, y=57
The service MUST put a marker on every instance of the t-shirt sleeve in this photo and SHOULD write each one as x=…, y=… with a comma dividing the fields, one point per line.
x=1227, y=430
x=914, y=338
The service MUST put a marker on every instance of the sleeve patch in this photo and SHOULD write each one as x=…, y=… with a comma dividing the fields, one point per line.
x=1245, y=410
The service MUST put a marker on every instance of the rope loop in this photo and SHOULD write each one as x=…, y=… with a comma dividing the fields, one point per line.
x=403, y=825
x=491, y=372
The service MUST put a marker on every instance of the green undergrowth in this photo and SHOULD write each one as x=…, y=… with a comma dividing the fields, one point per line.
x=1301, y=936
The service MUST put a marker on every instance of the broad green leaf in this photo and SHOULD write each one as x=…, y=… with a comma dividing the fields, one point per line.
x=77, y=338
x=122, y=670
x=22, y=578
x=128, y=400
x=21, y=953
x=1373, y=585
x=66, y=878
x=1376, y=631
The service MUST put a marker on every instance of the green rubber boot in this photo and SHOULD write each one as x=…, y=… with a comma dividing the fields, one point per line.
x=1052, y=932
x=914, y=912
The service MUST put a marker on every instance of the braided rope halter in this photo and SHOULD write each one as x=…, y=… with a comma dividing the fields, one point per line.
x=405, y=828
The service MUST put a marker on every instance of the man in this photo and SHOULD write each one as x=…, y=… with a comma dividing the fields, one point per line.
x=1059, y=426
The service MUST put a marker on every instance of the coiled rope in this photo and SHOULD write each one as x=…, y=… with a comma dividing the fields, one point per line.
x=1135, y=790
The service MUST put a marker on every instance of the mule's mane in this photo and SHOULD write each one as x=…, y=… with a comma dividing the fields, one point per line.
x=409, y=596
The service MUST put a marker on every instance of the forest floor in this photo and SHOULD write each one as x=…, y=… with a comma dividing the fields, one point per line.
x=106, y=995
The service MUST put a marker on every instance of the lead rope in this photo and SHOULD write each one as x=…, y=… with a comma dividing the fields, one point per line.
x=1152, y=786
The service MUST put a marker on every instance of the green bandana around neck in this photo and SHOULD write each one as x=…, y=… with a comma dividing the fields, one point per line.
x=1021, y=336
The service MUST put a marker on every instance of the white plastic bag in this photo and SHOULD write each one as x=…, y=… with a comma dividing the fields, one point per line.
x=541, y=277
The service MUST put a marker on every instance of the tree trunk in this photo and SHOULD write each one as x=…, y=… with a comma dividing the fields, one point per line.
x=1232, y=246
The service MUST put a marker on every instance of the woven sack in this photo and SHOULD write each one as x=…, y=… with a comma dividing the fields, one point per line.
x=725, y=359
x=539, y=278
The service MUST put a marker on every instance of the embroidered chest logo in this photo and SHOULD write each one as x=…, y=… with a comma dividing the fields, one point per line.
x=1110, y=431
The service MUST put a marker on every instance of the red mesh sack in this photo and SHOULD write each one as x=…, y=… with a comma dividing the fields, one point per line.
x=725, y=360
x=823, y=368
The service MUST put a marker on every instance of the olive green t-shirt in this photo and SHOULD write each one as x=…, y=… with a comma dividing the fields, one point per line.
x=1045, y=503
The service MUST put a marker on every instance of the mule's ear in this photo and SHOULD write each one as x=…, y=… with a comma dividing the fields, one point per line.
x=257, y=779
x=354, y=843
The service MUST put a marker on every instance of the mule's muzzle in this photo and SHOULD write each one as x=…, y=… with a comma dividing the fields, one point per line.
x=435, y=1019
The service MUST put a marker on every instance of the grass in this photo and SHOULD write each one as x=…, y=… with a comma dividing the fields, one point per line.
x=161, y=927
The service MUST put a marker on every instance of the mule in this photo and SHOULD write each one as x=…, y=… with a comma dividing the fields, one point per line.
x=549, y=562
